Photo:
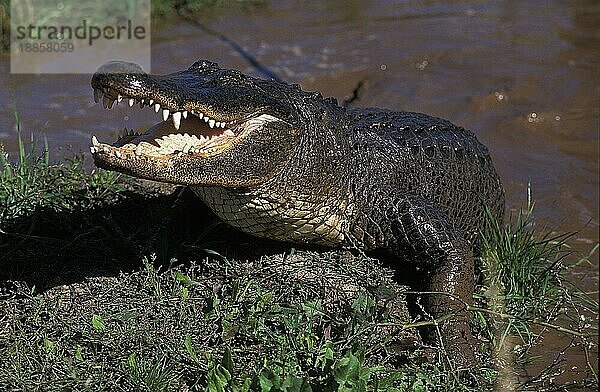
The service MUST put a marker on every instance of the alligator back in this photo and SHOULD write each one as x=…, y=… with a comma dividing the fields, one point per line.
x=421, y=156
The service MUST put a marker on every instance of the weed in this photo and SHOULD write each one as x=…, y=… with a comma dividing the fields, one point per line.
x=30, y=181
x=527, y=292
x=152, y=375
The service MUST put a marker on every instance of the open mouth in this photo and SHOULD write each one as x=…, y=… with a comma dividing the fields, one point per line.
x=184, y=130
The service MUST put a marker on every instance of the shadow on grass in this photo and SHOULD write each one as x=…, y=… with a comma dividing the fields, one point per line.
x=48, y=248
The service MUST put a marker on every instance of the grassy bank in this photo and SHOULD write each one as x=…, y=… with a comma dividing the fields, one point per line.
x=112, y=284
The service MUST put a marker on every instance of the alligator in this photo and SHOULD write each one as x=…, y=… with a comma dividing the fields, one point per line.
x=281, y=163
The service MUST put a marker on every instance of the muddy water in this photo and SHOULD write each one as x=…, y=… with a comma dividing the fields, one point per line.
x=525, y=76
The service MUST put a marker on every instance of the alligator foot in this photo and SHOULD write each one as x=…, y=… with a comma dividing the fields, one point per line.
x=451, y=286
x=426, y=236
x=457, y=346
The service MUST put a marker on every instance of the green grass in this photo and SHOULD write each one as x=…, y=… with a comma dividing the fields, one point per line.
x=527, y=291
x=31, y=182
x=107, y=284
x=176, y=329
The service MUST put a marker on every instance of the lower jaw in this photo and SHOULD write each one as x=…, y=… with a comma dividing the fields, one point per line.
x=193, y=136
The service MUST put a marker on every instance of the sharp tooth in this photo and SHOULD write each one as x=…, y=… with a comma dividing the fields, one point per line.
x=211, y=122
x=206, y=119
x=218, y=124
x=184, y=113
x=177, y=120
x=119, y=98
x=229, y=132
x=107, y=102
x=151, y=102
x=186, y=149
x=94, y=141
x=200, y=115
x=131, y=102
x=97, y=95
x=165, y=114
x=156, y=107
x=203, y=139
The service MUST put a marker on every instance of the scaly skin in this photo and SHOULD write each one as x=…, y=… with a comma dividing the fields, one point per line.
x=413, y=186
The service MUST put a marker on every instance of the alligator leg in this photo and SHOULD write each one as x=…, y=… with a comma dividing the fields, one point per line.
x=426, y=236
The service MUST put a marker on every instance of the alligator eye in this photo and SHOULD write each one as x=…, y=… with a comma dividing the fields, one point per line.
x=204, y=65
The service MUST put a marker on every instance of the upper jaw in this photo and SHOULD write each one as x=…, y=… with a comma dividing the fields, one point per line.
x=110, y=96
x=219, y=97
x=179, y=132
